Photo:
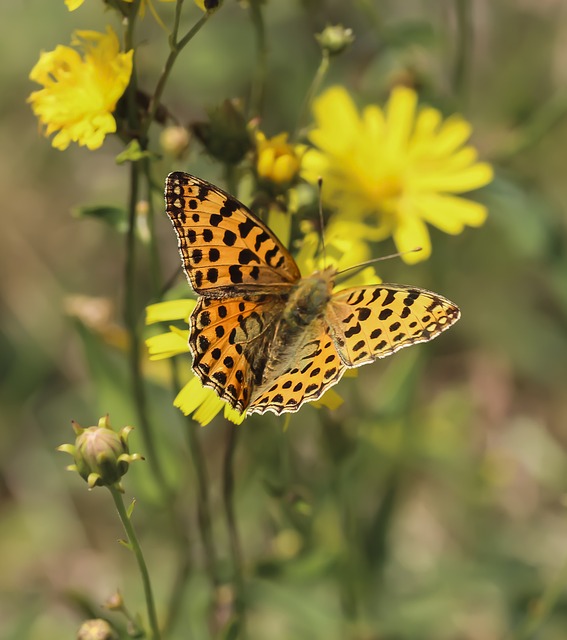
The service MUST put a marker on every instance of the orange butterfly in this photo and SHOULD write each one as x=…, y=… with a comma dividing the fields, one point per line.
x=263, y=337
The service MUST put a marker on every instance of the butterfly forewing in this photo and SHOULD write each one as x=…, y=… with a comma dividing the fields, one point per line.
x=373, y=322
x=223, y=245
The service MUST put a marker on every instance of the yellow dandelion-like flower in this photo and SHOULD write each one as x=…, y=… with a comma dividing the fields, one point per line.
x=399, y=167
x=79, y=94
x=277, y=160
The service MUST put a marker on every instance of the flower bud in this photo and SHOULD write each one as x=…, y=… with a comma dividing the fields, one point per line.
x=209, y=6
x=225, y=135
x=175, y=141
x=277, y=161
x=96, y=629
x=115, y=602
x=335, y=39
x=101, y=455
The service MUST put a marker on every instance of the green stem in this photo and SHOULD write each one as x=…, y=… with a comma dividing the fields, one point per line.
x=464, y=38
x=135, y=546
x=538, y=126
x=259, y=81
x=155, y=266
x=312, y=91
x=540, y=610
x=175, y=49
x=341, y=445
x=203, y=498
x=235, y=548
x=131, y=315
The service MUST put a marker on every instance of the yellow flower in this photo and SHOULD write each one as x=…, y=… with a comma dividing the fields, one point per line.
x=277, y=160
x=396, y=166
x=80, y=93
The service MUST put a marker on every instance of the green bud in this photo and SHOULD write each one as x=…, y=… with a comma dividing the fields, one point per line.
x=96, y=629
x=335, y=39
x=101, y=455
x=115, y=602
x=225, y=135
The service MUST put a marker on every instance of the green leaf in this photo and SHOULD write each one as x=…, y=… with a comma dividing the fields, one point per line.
x=115, y=217
x=133, y=153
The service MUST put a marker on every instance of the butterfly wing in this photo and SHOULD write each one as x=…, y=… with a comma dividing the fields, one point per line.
x=229, y=339
x=316, y=367
x=224, y=247
x=373, y=322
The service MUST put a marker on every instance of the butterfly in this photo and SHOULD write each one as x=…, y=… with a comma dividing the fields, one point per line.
x=263, y=337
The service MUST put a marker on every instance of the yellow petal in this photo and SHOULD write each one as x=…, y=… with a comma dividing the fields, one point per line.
x=337, y=120
x=169, y=310
x=194, y=397
x=233, y=415
x=73, y=4
x=400, y=113
x=411, y=232
x=454, y=132
x=167, y=345
x=330, y=399
x=450, y=213
x=468, y=179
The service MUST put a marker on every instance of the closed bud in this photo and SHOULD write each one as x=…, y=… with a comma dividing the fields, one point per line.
x=175, y=141
x=96, y=629
x=225, y=135
x=335, y=39
x=101, y=455
x=277, y=162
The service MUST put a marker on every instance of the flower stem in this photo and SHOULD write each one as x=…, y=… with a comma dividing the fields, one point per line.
x=312, y=91
x=537, y=127
x=155, y=266
x=259, y=81
x=131, y=315
x=235, y=548
x=135, y=546
x=464, y=38
x=175, y=49
x=543, y=606
x=203, y=500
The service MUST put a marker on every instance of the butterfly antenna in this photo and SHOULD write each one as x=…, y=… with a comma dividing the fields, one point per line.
x=373, y=260
x=322, y=220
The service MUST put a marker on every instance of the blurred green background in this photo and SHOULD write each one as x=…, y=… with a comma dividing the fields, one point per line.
x=431, y=505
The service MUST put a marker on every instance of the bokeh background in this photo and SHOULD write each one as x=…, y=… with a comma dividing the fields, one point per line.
x=431, y=505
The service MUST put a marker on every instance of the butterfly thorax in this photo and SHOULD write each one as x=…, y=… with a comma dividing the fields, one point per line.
x=308, y=299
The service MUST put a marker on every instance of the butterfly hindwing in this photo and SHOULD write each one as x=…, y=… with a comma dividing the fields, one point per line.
x=229, y=339
x=317, y=367
x=375, y=321
x=223, y=245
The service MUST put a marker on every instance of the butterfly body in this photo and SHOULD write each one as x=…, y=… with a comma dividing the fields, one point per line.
x=262, y=336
